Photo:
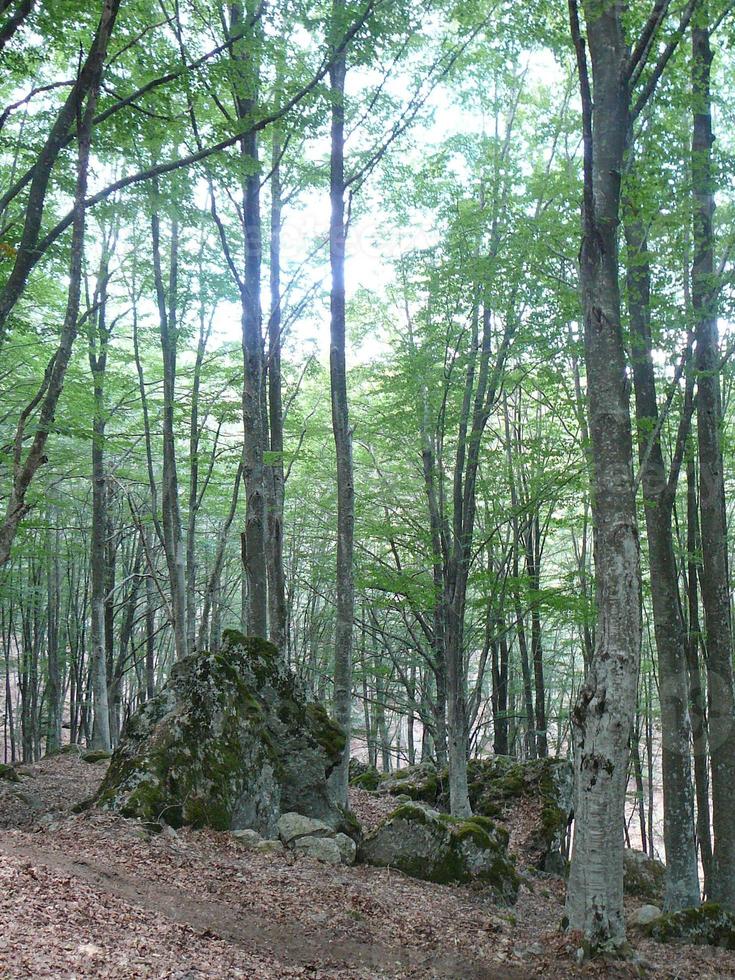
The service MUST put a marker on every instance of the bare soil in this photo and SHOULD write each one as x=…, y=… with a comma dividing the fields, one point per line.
x=92, y=895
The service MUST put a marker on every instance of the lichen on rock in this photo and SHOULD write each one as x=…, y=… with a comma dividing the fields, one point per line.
x=230, y=742
x=433, y=846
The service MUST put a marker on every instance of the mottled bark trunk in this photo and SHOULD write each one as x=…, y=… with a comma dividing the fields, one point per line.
x=603, y=713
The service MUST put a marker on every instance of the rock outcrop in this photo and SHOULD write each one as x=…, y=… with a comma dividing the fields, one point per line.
x=231, y=743
x=533, y=798
x=424, y=843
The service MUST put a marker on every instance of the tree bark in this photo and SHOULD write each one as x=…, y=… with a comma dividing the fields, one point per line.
x=682, y=879
x=603, y=713
x=713, y=523
x=342, y=432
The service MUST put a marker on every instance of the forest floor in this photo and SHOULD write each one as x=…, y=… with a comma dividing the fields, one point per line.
x=92, y=895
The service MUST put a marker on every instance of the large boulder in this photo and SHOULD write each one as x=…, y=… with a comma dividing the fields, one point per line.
x=230, y=742
x=643, y=876
x=424, y=843
x=533, y=798
x=708, y=925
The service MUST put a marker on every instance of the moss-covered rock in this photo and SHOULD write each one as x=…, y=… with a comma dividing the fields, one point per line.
x=708, y=925
x=364, y=775
x=230, y=742
x=96, y=755
x=498, y=786
x=643, y=877
x=423, y=783
x=8, y=773
x=433, y=846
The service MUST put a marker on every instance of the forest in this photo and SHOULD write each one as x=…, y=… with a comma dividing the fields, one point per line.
x=398, y=335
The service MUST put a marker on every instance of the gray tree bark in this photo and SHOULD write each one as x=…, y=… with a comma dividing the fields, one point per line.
x=713, y=523
x=659, y=489
x=342, y=698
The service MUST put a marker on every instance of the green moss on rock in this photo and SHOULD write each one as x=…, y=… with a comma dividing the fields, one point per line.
x=424, y=843
x=230, y=742
x=496, y=786
x=8, y=773
x=708, y=925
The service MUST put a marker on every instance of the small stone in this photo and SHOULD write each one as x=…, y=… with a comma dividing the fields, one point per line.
x=246, y=839
x=323, y=849
x=269, y=847
x=292, y=826
x=168, y=831
x=347, y=848
x=644, y=915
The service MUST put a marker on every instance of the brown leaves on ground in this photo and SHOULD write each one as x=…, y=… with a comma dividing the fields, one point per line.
x=92, y=895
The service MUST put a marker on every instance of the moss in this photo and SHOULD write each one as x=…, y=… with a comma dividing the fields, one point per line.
x=96, y=755
x=328, y=733
x=350, y=825
x=708, y=925
x=369, y=780
x=408, y=811
x=8, y=773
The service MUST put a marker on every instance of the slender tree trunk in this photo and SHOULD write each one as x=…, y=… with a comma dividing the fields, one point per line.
x=340, y=413
x=246, y=67
x=697, y=694
x=682, y=879
x=713, y=523
x=173, y=538
x=54, y=692
x=276, y=577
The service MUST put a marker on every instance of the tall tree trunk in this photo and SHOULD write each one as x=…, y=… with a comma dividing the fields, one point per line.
x=713, y=523
x=276, y=577
x=173, y=538
x=340, y=412
x=603, y=713
x=246, y=66
x=682, y=879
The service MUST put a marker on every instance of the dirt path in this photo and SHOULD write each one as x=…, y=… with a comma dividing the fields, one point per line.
x=91, y=895
x=291, y=944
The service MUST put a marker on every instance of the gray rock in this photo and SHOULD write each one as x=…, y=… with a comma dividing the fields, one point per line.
x=230, y=742
x=424, y=843
x=9, y=773
x=246, y=839
x=269, y=847
x=643, y=877
x=496, y=787
x=291, y=826
x=323, y=849
x=347, y=848
x=708, y=925
x=644, y=916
